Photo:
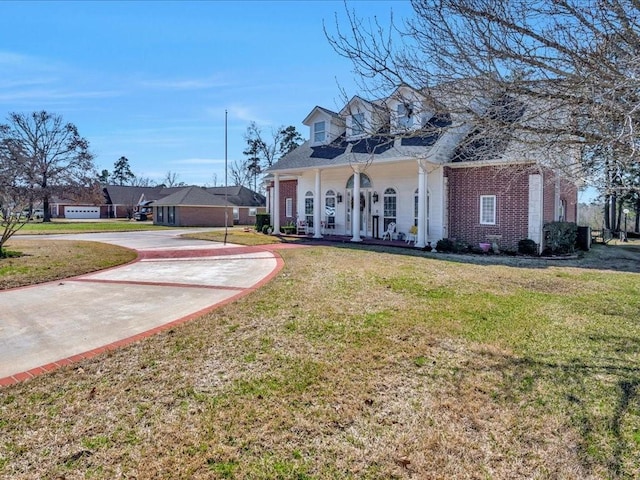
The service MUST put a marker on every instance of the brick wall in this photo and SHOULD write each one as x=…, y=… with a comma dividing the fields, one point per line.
x=568, y=194
x=288, y=189
x=511, y=188
x=202, y=216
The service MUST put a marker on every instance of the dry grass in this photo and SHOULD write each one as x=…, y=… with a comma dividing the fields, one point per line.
x=357, y=364
x=241, y=236
x=47, y=260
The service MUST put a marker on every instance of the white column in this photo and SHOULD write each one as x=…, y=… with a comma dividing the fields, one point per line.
x=355, y=211
x=422, y=211
x=317, y=201
x=275, y=217
x=535, y=217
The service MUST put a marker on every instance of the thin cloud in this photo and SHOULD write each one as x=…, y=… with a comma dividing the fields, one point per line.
x=242, y=113
x=185, y=84
x=55, y=95
x=199, y=161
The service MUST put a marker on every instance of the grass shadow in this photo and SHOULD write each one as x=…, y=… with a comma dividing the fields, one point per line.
x=619, y=258
x=599, y=397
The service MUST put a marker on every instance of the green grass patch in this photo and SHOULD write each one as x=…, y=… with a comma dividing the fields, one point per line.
x=352, y=364
x=62, y=227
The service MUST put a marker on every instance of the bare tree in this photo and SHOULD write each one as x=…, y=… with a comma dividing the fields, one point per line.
x=214, y=181
x=569, y=68
x=139, y=181
x=262, y=152
x=52, y=157
x=171, y=180
x=14, y=195
x=240, y=174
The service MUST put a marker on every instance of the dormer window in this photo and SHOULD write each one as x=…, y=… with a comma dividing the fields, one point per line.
x=319, y=132
x=405, y=115
x=357, y=124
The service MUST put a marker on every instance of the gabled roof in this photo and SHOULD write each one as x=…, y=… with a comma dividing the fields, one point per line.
x=346, y=109
x=317, y=109
x=239, y=195
x=128, y=195
x=193, y=196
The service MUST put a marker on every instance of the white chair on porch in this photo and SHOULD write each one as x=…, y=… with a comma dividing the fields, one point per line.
x=390, y=231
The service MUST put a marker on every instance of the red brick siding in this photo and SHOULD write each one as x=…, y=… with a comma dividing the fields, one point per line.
x=288, y=189
x=511, y=189
x=245, y=219
x=204, y=216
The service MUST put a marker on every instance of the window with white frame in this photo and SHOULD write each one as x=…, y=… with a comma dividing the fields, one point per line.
x=288, y=207
x=319, y=131
x=236, y=214
x=253, y=211
x=405, y=115
x=390, y=207
x=308, y=208
x=357, y=124
x=487, y=209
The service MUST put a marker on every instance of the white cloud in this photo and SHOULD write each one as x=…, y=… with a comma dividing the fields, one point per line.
x=186, y=84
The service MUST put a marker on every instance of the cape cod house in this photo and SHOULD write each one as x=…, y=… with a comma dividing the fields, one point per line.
x=408, y=161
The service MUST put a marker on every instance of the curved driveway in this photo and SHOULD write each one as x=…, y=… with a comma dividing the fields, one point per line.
x=45, y=326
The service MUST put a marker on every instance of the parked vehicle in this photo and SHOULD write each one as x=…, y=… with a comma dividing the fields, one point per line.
x=37, y=213
x=145, y=213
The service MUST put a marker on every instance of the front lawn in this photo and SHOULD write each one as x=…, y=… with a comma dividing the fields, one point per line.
x=35, y=261
x=353, y=364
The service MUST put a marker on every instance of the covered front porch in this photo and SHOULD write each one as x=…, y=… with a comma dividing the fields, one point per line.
x=343, y=202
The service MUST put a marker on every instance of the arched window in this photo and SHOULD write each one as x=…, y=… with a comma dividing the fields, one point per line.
x=330, y=209
x=390, y=207
x=365, y=181
x=308, y=208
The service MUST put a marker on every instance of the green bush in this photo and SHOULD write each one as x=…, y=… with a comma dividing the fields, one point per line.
x=262, y=219
x=445, y=245
x=560, y=237
x=526, y=246
x=266, y=228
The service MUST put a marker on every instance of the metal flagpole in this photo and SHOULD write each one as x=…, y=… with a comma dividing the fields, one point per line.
x=226, y=186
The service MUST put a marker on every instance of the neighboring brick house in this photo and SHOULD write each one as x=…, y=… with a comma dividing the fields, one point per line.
x=186, y=206
x=413, y=164
x=208, y=207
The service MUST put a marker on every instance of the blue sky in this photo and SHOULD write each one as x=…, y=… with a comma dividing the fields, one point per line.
x=152, y=80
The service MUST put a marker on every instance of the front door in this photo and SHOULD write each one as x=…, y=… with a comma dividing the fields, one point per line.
x=365, y=212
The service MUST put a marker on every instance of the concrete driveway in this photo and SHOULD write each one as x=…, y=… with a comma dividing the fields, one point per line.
x=45, y=326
